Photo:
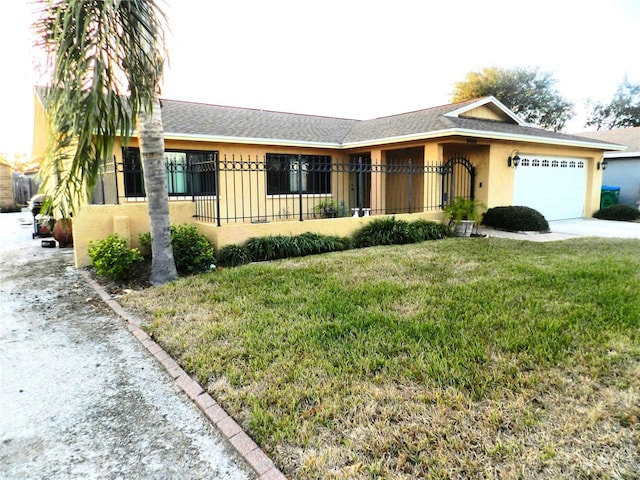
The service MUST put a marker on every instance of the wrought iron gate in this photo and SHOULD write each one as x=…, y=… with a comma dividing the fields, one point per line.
x=458, y=179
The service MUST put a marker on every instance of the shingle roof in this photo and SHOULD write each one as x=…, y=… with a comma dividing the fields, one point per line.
x=624, y=136
x=221, y=122
x=213, y=120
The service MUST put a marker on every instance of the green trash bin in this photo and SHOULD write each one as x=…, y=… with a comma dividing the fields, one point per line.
x=609, y=196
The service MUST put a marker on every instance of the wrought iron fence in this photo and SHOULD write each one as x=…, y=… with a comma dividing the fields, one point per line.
x=236, y=189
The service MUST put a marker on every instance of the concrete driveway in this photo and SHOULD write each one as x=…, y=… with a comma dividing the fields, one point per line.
x=592, y=227
x=574, y=228
x=80, y=397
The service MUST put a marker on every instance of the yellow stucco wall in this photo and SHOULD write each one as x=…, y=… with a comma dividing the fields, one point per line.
x=40, y=130
x=238, y=233
x=96, y=222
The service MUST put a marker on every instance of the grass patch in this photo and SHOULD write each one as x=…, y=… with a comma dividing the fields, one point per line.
x=453, y=359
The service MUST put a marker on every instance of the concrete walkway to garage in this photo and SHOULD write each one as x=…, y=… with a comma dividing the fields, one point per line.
x=574, y=228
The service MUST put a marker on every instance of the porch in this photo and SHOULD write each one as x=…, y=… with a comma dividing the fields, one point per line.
x=231, y=189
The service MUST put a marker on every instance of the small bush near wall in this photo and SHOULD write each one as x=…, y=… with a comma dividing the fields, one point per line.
x=423, y=230
x=233, y=256
x=389, y=231
x=625, y=213
x=515, y=219
x=191, y=250
x=313, y=243
x=112, y=258
x=281, y=246
x=383, y=231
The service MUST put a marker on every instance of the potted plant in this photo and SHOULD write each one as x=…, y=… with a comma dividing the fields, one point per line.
x=63, y=232
x=329, y=209
x=462, y=215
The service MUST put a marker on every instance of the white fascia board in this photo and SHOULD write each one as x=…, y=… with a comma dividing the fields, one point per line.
x=535, y=139
x=485, y=134
x=621, y=154
x=397, y=139
x=483, y=101
x=253, y=141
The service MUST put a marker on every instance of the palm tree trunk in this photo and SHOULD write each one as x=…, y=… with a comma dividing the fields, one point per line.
x=163, y=266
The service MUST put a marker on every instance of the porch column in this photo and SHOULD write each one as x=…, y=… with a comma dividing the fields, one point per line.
x=433, y=155
x=378, y=201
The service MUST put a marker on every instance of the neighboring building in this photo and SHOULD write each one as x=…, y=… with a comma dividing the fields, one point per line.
x=241, y=172
x=623, y=167
x=7, y=201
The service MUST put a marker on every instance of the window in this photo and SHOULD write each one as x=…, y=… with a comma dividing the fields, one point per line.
x=298, y=174
x=132, y=171
x=188, y=172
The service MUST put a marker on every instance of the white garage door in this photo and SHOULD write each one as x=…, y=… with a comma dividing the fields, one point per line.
x=555, y=186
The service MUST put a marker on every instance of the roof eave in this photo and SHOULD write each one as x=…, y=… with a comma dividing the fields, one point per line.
x=484, y=134
x=621, y=154
x=396, y=139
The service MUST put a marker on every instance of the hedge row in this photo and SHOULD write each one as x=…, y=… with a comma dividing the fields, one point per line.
x=382, y=231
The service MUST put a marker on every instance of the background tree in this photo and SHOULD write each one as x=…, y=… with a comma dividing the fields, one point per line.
x=529, y=93
x=105, y=59
x=623, y=110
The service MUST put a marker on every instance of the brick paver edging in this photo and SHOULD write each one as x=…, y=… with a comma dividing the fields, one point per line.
x=229, y=428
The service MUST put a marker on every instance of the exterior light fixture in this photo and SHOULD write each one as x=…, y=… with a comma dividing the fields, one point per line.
x=514, y=159
x=602, y=165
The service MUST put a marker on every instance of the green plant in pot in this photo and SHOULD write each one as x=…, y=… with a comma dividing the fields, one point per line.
x=463, y=215
x=330, y=209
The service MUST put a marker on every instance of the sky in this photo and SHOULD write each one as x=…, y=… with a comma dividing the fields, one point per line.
x=356, y=59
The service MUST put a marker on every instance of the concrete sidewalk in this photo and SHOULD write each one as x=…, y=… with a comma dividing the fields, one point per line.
x=83, y=398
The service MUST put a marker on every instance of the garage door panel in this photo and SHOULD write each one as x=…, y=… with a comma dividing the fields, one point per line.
x=555, y=186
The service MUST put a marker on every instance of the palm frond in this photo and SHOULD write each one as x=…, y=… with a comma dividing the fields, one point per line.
x=105, y=60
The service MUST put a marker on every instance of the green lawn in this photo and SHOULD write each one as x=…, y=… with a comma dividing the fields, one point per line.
x=474, y=358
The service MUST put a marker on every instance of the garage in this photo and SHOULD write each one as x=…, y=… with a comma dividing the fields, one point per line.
x=555, y=186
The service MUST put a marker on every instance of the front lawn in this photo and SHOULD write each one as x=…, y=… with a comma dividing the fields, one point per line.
x=474, y=358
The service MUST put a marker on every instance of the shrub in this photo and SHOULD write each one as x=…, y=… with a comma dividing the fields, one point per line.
x=515, y=219
x=625, y=213
x=422, y=230
x=233, y=256
x=191, y=249
x=383, y=231
x=271, y=247
x=280, y=246
x=312, y=243
x=112, y=257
